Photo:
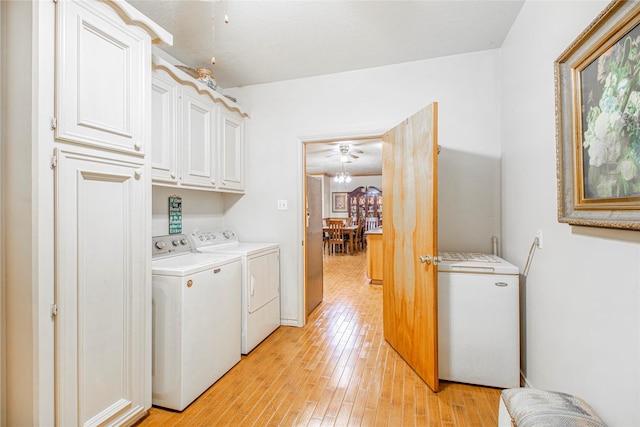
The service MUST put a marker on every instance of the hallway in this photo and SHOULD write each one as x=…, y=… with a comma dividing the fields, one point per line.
x=337, y=370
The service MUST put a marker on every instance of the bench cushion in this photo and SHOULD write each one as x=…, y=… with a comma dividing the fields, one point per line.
x=529, y=407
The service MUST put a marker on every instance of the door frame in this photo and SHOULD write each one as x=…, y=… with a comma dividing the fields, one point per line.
x=302, y=191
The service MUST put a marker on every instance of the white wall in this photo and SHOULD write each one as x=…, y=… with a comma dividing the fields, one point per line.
x=27, y=104
x=580, y=302
x=366, y=101
x=201, y=210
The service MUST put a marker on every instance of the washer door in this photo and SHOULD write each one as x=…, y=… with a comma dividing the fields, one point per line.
x=263, y=280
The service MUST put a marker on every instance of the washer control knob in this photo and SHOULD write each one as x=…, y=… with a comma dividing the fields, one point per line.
x=183, y=242
x=160, y=244
x=175, y=243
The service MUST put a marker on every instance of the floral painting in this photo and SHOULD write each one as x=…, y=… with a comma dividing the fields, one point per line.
x=597, y=88
x=611, y=121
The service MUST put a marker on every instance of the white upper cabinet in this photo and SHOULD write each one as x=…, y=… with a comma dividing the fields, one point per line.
x=232, y=150
x=164, y=132
x=204, y=130
x=102, y=77
x=198, y=141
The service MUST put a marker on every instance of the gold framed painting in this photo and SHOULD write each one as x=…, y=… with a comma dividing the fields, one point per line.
x=339, y=202
x=597, y=82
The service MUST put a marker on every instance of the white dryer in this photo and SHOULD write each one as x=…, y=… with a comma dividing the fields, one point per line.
x=478, y=320
x=196, y=320
x=260, y=281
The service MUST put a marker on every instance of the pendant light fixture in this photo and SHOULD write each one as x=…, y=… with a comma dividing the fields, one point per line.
x=342, y=177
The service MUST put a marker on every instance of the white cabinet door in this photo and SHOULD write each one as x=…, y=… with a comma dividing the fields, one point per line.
x=103, y=290
x=164, y=137
x=232, y=151
x=198, y=140
x=101, y=78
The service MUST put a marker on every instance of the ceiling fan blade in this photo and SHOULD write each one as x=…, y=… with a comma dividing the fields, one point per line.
x=354, y=156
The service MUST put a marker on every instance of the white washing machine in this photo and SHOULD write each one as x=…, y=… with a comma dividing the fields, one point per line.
x=196, y=320
x=478, y=320
x=260, y=281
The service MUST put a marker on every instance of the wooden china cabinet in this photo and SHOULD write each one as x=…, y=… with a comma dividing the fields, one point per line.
x=365, y=202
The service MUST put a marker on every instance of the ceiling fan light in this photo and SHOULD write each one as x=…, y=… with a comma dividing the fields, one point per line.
x=343, y=158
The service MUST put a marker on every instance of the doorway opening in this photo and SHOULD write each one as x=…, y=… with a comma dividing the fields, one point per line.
x=341, y=164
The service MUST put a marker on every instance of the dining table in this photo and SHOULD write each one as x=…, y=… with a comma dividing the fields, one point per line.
x=349, y=230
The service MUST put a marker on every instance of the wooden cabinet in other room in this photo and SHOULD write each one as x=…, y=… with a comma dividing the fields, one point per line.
x=365, y=202
x=374, y=257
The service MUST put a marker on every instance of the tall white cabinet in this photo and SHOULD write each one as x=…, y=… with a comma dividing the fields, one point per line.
x=102, y=169
x=199, y=135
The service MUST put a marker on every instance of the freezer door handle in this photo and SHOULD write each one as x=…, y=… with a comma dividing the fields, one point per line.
x=502, y=284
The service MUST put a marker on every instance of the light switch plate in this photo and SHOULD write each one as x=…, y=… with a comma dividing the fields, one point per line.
x=282, y=205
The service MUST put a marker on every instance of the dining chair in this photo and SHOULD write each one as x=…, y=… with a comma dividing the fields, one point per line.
x=358, y=238
x=336, y=237
x=371, y=223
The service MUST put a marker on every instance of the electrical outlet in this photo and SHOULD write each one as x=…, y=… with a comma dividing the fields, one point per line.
x=539, y=237
x=282, y=205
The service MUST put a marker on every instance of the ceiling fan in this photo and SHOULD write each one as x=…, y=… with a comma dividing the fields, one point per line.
x=345, y=151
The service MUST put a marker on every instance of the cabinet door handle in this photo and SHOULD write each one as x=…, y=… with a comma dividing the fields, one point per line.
x=137, y=146
x=173, y=175
x=137, y=173
x=425, y=259
x=253, y=285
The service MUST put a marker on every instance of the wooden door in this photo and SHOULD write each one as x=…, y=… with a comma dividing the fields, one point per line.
x=314, y=244
x=410, y=290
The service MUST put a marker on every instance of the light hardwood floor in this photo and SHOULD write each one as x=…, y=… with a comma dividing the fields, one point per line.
x=336, y=371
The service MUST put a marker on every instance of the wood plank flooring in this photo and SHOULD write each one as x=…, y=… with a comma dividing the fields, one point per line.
x=336, y=371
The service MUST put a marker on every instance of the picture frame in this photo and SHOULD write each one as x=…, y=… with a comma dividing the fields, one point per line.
x=339, y=202
x=597, y=97
x=175, y=214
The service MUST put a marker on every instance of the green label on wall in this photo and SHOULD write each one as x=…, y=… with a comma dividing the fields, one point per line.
x=175, y=215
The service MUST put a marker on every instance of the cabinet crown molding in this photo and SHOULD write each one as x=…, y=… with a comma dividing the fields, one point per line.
x=132, y=15
x=184, y=79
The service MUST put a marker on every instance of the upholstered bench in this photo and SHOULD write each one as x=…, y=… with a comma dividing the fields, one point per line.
x=527, y=407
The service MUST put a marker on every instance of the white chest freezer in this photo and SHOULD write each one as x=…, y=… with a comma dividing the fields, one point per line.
x=478, y=320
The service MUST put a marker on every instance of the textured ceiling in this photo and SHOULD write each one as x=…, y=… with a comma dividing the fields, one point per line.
x=267, y=41
x=324, y=158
